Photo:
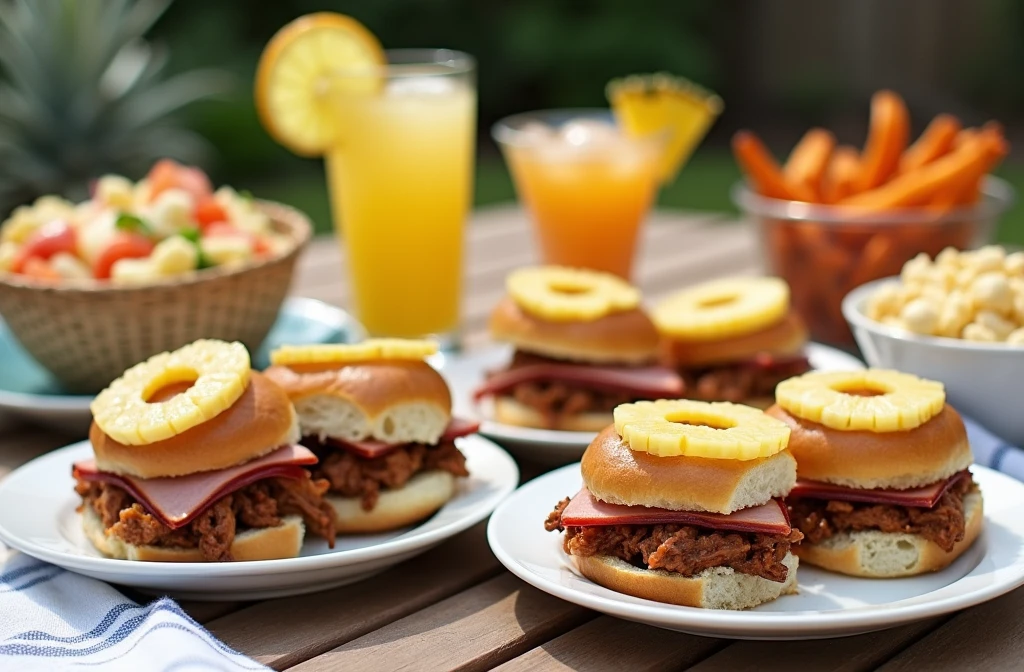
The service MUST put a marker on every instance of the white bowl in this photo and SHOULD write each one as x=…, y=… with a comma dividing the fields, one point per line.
x=983, y=380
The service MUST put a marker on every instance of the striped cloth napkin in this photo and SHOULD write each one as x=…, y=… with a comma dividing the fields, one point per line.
x=992, y=452
x=52, y=619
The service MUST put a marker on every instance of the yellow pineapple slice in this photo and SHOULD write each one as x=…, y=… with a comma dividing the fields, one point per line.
x=722, y=309
x=874, y=400
x=218, y=373
x=718, y=430
x=564, y=294
x=648, y=104
x=370, y=350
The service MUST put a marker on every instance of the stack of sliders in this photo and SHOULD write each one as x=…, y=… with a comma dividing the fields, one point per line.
x=883, y=485
x=679, y=505
x=380, y=419
x=196, y=461
x=583, y=345
x=733, y=339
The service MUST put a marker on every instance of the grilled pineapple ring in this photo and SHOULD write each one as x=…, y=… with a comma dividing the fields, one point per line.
x=875, y=400
x=562, y=294
x=719, y=430
x=218, y=371
x=722, y=309
x=367, y=351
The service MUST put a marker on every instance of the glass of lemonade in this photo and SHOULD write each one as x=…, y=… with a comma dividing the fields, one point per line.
x=400, y=182
x=587, y=185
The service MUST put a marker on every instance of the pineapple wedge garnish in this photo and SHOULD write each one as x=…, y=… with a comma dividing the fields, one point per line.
x=723, y=309
x=374, y=349
x=719, y=430
x=649, y=104
x=874, y=400
x=563, y=294
x=218, y=372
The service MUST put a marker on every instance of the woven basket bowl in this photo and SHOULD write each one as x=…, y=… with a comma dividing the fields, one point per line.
x=88, y=333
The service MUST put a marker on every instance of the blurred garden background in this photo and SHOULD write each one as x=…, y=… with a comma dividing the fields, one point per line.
x=781, y=66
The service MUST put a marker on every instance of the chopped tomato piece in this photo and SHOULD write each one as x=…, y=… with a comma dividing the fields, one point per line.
x=40, y=269
x=48, y=240
x=210, y=212
x=222, y=229
x=167, y=174
x=261, y=246
x=125, y=245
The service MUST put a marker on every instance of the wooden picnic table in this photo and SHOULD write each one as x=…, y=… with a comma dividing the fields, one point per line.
x=456, y=607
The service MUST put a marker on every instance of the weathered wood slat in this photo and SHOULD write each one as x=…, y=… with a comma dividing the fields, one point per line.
x=281, y=633
x=987, y=637
x=609, y=644
x=474, y=630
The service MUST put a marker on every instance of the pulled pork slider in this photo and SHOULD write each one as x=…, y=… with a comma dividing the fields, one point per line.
x=883, y=485
x=733, y=339
x=380, y=419
x=583, y=345
x=679, y=505
x=195, y=460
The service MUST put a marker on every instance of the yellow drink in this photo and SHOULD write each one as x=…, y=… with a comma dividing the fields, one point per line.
x=400, y=179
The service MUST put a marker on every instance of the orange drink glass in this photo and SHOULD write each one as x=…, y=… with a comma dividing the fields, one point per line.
x=587, y=186
x=400, y=176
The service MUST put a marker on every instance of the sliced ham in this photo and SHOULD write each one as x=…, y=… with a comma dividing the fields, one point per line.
x=652, y=382
x=585, y=510
x=372, y=448
x=176, y=501
x=924, y=497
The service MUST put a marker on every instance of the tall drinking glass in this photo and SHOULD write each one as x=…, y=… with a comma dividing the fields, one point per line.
x=400, y=180
x=587, y=186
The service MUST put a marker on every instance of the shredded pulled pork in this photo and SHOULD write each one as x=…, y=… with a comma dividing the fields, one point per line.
x=684, y=549
x=259, y=505
x=350, y=475
x=943, y=524
x=739, y=382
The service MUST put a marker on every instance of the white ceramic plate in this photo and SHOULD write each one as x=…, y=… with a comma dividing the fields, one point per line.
x=466, y=372
x=828, y=605
x=38, y=517
x=29, y=392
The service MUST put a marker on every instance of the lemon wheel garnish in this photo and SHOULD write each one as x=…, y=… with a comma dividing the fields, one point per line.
x=723, y=308
x=718, y=430
x=370, y=350
x=568, y=294
x=875, y=400
x=218, y=371
x=301, y=71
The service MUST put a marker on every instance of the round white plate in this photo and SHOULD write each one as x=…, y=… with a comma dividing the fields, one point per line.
x=29, y=392
x=466, y=372
x=828, y=605
x=38, y=517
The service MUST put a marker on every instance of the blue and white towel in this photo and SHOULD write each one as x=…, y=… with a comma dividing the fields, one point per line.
x=52, y=619
x=992, y=452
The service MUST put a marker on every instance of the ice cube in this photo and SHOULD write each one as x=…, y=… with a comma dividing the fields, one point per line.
x=579, y=132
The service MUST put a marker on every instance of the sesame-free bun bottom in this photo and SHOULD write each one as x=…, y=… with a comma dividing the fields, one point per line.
x=713, y=588
x=266, y=543
x=508, y=411
x=876, y=554
x=928, y=453
x=419, y=498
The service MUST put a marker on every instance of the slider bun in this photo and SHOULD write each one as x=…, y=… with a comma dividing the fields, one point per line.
x=783, y=338
x=627, y=337
x=261, y=420
x=861, y=459
x=508, y=411
x=267, y=543
x=615, y=473
x=391, y=401
x=876, y=554
x=422, y=496
x=714, y=588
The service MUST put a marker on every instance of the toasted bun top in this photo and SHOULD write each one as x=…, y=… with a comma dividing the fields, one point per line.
x=261, y=420
x=861, y=459
x=626, y=337
x=392, y=401
x=615, y=473
x=782, y=338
